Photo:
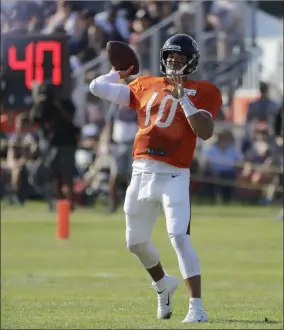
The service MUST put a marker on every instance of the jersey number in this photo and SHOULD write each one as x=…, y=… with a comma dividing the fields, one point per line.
x=162, y=105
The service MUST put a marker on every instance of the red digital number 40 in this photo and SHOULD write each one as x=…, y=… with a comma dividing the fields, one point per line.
x=33, y=62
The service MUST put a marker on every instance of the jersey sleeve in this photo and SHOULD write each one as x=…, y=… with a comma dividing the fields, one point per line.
x=209, y=98
x=104, y=88
x=135, y=93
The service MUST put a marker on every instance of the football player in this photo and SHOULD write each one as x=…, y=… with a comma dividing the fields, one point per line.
x=172, y=112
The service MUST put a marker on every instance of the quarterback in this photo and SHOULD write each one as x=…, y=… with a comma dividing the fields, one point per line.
x=172, y=112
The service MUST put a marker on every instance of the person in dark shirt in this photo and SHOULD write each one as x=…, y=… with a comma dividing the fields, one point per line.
x=278, y=123
x=264, y=109
x=55, y=116
x=278, y=131
x=63, y=145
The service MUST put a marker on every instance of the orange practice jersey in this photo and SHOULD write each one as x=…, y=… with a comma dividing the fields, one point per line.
x=164, y=133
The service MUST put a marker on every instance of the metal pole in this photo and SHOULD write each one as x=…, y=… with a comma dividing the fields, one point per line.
x=155, y=53
x=199, y=24
x=256, y=69
x=254, y=6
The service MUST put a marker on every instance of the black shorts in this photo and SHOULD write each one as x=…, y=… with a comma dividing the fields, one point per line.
x=62, y=161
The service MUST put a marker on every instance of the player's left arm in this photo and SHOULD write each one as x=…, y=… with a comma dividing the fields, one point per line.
x=200, y=115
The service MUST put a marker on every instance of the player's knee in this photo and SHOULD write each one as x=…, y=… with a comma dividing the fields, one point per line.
x=180, y=241
x=134, y=248
x=146, y=253
x=182, y=245
x=137, y=249
x=187, y=257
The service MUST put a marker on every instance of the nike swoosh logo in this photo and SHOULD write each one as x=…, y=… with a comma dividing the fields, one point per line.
x=168, y=303
x=161, y=291
x=173, y=176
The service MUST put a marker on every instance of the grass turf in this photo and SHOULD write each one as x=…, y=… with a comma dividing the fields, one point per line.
x=91, y=281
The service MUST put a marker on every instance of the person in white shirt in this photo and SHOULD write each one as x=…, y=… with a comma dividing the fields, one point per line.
x=221, y=160
x=123, y=122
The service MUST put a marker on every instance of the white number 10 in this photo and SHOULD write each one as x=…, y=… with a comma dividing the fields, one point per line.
x=162, y=105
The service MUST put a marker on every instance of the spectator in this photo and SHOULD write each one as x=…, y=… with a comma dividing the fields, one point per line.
x=141, y=23
x=64, y=16
x=278, y=122
x=36, y=21
x=123, y=128
x=183, y=24
x=128, y=8
x=69, y=16
x=279, y=135
x=79, y=39
x=19, y=18
x=159, y=10
x=54, y=116
x=260, y=163
x=17, y=156
x=221, y=160
x=88, y=16
x=4, y=21
x=96, y=177
x=97, y=40
x=263, y=109
x=114, y=23
x=226, y=18
x=279, y=132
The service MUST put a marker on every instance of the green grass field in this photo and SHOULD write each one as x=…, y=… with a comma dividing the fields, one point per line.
x=91, y=281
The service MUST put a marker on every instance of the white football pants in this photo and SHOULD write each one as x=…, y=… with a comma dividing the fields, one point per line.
x=144, y=196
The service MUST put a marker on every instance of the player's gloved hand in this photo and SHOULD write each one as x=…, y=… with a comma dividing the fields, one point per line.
x=178, y=89
x=126, y=73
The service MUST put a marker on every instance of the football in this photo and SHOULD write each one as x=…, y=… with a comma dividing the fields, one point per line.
x=122, y=56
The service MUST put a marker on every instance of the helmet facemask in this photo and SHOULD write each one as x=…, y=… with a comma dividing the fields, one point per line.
x=175, y=67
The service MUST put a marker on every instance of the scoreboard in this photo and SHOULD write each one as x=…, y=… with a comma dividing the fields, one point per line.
x=29, y=59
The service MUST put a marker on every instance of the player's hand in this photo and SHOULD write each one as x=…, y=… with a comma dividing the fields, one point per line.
x=178, y=87
x=126, y=73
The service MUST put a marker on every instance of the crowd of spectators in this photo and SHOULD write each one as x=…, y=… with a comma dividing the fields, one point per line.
x=227, y=166
x=253, y=162
x=91, y=24
x=248, y=168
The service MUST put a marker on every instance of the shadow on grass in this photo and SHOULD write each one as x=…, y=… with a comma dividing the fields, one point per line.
x=264, y=321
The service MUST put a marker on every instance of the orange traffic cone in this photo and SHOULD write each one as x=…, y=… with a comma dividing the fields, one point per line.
x=63, y=219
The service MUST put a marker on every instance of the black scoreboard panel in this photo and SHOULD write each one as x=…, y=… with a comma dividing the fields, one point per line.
x=30, y=59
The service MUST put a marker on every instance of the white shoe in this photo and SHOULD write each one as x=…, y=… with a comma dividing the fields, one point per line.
x=195, y=315
x=165, y=297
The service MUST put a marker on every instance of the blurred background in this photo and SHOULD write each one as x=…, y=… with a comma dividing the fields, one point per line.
x=59, y=140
